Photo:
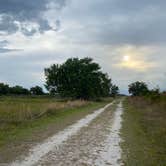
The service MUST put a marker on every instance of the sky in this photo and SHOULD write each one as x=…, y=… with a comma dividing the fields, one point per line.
x=126, y=37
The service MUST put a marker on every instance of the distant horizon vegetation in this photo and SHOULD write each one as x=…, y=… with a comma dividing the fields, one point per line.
x=80, y=79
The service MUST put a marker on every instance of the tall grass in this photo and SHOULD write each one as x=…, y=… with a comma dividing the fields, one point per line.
x=155, y=107
x=144, y=131
x=16, y=109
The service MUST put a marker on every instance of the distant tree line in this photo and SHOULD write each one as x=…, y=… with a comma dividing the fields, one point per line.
x=141, y=89
x=5, y=89
x=76, y=78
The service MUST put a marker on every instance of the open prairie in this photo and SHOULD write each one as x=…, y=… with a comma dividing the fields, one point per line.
x=25, y=121
x=144, y=131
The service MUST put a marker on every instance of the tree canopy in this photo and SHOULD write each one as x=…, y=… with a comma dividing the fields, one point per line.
x=37, y=90
x=18, y=90
x=138, y=88
x=4, y=89
x=78, y=78
x=114, y=90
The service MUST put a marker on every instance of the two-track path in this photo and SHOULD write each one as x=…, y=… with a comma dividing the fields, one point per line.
x=92, y=141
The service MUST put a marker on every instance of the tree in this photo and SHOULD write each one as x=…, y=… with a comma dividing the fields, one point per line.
x=77, y=78
x=4, y=89
x=138, y=88
x=37, y=90
x=114, y=90
x=18, y=90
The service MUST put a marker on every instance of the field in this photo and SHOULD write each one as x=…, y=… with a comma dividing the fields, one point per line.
x=27, y=119
x=17, y=109
x=144, y=131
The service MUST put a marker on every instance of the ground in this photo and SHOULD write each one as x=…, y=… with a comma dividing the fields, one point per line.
x=16, y=136
x=124, y=131
x=85, y=140
x=144, y=131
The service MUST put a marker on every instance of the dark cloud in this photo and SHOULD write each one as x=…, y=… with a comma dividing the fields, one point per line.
x=136, y=32
x=23, y=10
x=13, y=13
x=137, y=6
x=115, y=22
x=7, y=24
x=28, y=32
x=44, y=26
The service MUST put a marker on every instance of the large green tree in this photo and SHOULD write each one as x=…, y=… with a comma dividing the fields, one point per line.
x=78, y=78
x=138, y=88
x=114, y=90
x=37, y=90
x=4, y=89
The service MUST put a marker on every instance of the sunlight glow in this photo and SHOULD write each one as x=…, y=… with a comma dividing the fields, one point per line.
x=134, y=58
x=126, y=58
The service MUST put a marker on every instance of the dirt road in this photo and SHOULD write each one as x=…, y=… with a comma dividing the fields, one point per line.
x=92, y=141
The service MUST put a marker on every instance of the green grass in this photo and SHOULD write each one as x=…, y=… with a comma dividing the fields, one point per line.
x=144, y=132
x=19, y=116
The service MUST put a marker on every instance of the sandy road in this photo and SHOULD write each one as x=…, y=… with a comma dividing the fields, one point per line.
x=92, y=141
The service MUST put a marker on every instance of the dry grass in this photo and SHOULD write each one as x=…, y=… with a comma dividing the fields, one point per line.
x=27, y=121
x=22, y=109
x=21, y=118
x=144, y=131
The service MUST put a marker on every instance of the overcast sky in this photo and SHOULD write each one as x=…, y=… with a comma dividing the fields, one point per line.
x=127, y=38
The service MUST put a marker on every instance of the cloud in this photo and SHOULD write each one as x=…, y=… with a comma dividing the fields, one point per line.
x=115, y=22
x=104, y=22
x=50, y=31
x=135, y=58
x=135, y=65
x=3, y=43
x=15, y=14
x=4, y=49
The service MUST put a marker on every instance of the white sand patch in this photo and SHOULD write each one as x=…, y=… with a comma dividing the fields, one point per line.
x=53, y=142
x=111, y=152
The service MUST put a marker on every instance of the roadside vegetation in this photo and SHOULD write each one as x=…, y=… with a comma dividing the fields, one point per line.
x=26, y=121
x=144, y=127
x=18, y=114
x=19, y=109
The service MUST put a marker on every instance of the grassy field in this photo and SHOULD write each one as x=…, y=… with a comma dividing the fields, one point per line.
x=20, y=117
x=21, y=109
x=144, y=131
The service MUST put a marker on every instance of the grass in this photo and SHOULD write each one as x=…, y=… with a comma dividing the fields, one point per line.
x=22, y=117
x=16, y=109
x=144, y=131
